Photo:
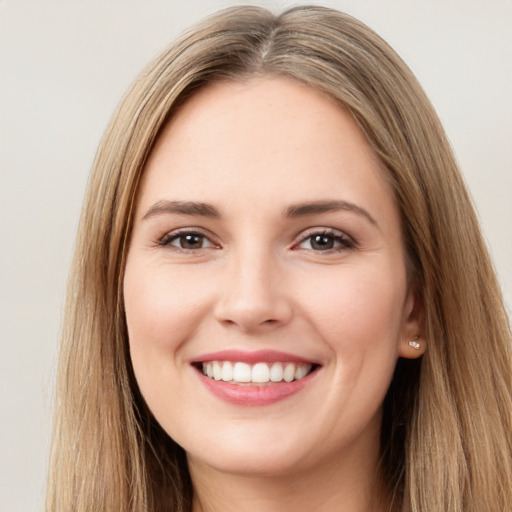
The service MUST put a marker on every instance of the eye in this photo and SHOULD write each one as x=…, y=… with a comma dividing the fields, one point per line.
x=327, y=240
x=187, y=241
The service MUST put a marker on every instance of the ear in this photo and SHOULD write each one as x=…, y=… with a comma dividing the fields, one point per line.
x=412, y=339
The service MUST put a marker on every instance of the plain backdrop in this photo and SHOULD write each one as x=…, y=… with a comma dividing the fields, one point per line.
x=64, y=66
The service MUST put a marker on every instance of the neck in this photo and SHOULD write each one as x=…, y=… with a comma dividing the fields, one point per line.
x=349, y=485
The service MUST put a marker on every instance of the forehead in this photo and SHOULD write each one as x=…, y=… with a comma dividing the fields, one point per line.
x=263, y=140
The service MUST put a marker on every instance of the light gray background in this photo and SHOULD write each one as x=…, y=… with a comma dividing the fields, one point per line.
x=64, y=66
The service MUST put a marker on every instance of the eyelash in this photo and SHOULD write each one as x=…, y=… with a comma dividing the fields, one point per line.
x=168, y=238
x=336, y=237
x=344, y=241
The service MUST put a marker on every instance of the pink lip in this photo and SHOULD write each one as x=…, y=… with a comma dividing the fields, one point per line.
x=254, y=395
x=258, y=356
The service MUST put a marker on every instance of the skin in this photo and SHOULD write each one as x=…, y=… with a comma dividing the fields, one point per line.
x=257, y=280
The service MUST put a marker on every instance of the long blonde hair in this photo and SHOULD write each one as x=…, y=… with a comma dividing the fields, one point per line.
x=447, y=428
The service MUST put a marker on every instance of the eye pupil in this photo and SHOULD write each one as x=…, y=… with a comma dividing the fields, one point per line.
x=322, y=242
x=191, y=241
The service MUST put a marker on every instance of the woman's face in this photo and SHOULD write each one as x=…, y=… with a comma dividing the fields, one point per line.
x=266, y=253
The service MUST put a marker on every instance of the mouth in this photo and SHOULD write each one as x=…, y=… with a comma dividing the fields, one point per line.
x=260, y=373
x=254, y=378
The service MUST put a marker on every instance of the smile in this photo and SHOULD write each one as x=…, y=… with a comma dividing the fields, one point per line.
x=258, y=378
x=259, y=373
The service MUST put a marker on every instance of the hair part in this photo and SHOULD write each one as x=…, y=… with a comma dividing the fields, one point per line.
x=447, y=428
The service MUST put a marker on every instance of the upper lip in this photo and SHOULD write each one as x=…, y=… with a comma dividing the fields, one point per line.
x=252, y=357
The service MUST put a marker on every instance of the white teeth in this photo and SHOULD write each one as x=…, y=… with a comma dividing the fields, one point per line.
x=227, y=371
x=276, y=372
x=289, y=372
x=259, y=373
x=217, y=370
x=242, y=372
x=301, y=371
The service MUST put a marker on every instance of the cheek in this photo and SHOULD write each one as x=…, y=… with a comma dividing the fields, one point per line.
x=161, y=306
x=358, y=307
x=162, y=309
x=359, y=316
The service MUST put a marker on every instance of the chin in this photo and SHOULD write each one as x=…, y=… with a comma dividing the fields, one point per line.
x=250, y=462
x=281, y=448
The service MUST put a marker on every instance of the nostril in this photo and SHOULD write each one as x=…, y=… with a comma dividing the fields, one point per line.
x=250, y=311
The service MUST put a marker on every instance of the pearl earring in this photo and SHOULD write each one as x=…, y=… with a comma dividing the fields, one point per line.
x=414, y=343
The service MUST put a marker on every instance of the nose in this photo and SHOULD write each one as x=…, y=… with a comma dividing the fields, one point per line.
x=253, y=296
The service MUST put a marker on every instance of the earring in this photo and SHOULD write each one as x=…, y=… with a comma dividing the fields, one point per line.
x=414, y=343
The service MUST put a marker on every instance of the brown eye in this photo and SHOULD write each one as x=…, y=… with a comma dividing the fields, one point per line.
x=187, y=241
x=191, y=241
x=326, y=241
x=322, y=242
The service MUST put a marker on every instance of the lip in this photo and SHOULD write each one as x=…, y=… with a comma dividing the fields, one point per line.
x=258, y=356
x=257, y=395
x=248, y=395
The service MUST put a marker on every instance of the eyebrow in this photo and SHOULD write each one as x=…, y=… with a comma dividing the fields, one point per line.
x=315, y=207
x=183, y=207
x=294, y=211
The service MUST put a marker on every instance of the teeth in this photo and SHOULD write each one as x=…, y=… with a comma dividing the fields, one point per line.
x=289, y=372
x=227, y=371
x=217, y=370
x=241, y=372
x=276, y=372
x=301, y=372
x=259, y=373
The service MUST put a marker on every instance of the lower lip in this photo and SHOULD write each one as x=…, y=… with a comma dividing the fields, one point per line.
x=247, y=395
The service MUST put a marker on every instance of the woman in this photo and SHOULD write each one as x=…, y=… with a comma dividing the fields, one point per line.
x=280, y=297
